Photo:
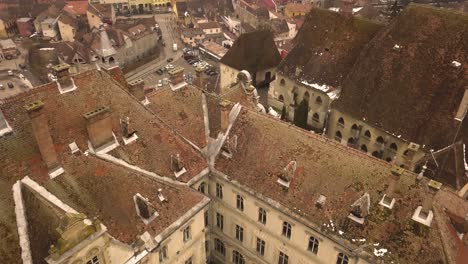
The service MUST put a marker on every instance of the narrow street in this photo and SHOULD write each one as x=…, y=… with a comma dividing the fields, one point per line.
x=170, y=36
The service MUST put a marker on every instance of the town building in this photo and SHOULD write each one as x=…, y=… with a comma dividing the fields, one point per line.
x=311, y=76
x=255, y=52
x=99, y=14
x=192, y=36
x=212, y=31
x=7, y=26
x=252, y=14
x=51, y=14
x=297, y=9
x=8, y=49
x=68, y=27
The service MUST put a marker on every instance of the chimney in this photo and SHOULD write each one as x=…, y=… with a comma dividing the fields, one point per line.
x=423, y=213
x=287, y=174
x=65, y=83
x=199, y=82
x=177, y=78
x=44, y=141
x=225, y=110
x=137, y=89
x=99, y=126
x=388, y=199
x=144, y=209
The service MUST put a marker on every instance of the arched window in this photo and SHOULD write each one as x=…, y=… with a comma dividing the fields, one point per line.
x=306, y=96
x=341, y=122
x=406, y=152
x=364, y=148
x=318, y=100
x=354, y=127
x=313, y=245
x=394, y=147
x=342, y=259
x=295, y=94
x=237, y=257
x=219, y=247
x=367, y=134
x=283, y=82
x=201, y=187
x=375, y=154
x=350, y=141
x=389, y=159
x=281, y=98
x=316, y=117
x=338, y=136
x=111, y=60
x=380, y=140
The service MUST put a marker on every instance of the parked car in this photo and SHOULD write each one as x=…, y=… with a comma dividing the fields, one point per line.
x=170, y=60
x=10, y=72
x=170, y=67
x=2, y=87
x=22, y=66
x=160, y=83
x=160, y=71
x=10, y=85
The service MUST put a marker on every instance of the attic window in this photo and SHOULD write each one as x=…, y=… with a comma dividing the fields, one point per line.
x=144, y=209
x=287, y=174
x=229, y=147
x=176, y=166
x=360, y=209
x=4, y=126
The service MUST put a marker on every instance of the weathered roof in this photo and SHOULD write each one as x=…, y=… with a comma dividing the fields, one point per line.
x=66, y=18
x=182, y=110
x=209, y=25
x=192, y=32
x=20, y=156
x=100, y=10
x=342, y=175
x=298, y=7
x=279, y=25
x=406, y=81
x=253, y=52
x=76, y=7
x=325, y=52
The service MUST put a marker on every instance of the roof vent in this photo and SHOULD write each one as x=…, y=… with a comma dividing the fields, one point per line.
x=360, y=209
x=144, y=208
x=176, y=166
x=387, y=201
x=161, y=196
x=435, y=185
x=413, y=146
x=287, y=174
x=127, y=136
x=396, y=170
x=229, y=147
x=397, y=47
x=320, y=203
x=455, y=64
x=73, y=147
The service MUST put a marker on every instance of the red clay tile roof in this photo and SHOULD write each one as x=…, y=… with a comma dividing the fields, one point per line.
x=182, y=110
x=76, y=7
x=341, y=174
x=404, y=81
x=326, y=52
x=19, y=154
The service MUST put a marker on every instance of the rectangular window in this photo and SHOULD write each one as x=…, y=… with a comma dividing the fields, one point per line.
x=187, y=234
x=240, y=202
x=206, y=218
x=219, y=221
x=219, y=191
x=262, y=215
x=239, y=233
x=283, y=258
x=207, y=246
x=260, y=246
x=286, y=229
x=219, y=247
x=162, y=254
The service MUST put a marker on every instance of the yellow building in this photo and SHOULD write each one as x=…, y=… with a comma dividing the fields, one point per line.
x=297, y=9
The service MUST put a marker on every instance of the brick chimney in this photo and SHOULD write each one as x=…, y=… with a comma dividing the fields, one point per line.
x=44, y=141
x=177, y=78
x=199, y=82
x=64, y=81
x=137, y=89
x=99, y=126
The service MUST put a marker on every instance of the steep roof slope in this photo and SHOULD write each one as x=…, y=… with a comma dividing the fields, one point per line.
x=254, y=51
x=405, y=81
x=327, y=46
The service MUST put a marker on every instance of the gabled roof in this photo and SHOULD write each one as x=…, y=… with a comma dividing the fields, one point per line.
x=407, y=80
x=325, y=52
x=253, y=52
x=68, y=19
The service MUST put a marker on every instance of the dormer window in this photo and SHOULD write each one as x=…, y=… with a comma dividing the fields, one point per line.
x=423, y=216
x=387, y=201
x=229, y=146
x=176, y=166
x=287, y=174
x=144, y=208
x=360, y=209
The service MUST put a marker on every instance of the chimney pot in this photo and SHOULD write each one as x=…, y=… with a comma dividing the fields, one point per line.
x=64, y=81
x=225, y=109
x=99, y=126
